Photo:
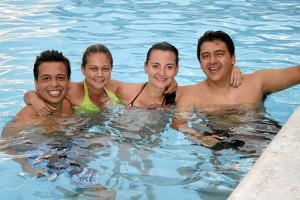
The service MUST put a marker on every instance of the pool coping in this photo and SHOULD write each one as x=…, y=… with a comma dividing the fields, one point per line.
x=276, y=174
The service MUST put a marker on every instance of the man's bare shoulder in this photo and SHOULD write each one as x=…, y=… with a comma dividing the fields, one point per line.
x=256, y=75
x=26, y=113
x=186, y=88
x=189, y=95
x=252, y=81
x=182, y=88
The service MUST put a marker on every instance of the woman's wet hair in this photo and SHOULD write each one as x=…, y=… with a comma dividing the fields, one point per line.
x=210, y=36
x=96, y=48
x=51, y=56
x=164, y=46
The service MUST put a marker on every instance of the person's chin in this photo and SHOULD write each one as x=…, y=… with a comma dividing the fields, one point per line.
x=162, y=87
x=54, y=100
x=100, y=85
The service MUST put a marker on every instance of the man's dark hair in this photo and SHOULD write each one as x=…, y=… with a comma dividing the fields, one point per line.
x=164, y=46
x=51, y=56
x=210, y=36
x=96, y=48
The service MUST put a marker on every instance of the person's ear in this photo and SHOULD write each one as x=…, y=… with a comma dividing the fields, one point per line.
x=201, y=67
x=177, y=69
x=233, y=59
x=82, y=70
x=146, y=67
x=35, y=85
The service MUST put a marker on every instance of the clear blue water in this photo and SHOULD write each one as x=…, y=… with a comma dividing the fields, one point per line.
x=266, y=34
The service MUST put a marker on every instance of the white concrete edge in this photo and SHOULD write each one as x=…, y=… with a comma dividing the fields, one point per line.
x=276, y=174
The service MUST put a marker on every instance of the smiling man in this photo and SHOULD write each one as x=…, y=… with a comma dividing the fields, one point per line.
x=52, y=82
x=216, y=54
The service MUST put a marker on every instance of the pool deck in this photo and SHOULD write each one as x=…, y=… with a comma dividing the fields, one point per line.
x=276, y=174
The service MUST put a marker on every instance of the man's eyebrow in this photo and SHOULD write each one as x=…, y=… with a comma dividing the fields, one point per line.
x=206, y=52
x=220, y=50
x=155, y=63
x=99, y=66
x=92, y=65
x=45, y=75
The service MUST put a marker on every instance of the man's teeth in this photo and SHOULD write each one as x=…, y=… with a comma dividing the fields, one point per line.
x=214, y=68
x=54, y=92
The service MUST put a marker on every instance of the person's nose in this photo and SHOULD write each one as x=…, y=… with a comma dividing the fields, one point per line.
x=213, y=59
x=100, y=72
x=54, y=83
x=162, y=71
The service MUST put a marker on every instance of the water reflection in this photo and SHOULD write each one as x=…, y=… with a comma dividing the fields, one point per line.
x=245, y=128
x=135, y=150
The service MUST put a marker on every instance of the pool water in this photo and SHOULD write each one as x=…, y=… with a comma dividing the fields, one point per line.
x=131, y=154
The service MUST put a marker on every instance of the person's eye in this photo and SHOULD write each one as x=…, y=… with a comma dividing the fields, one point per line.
x=170, y=67
x=45, y=78
x=61, y=78
x=93, y=69
x=220, y=54
x=155, y=66
x=106, y=69
x=205, y=56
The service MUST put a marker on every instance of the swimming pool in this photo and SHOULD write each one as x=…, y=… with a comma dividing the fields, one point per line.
x=266, y=35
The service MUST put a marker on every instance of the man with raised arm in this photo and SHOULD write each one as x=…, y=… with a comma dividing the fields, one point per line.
x=216, y=54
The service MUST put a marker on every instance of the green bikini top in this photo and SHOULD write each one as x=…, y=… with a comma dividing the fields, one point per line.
x=87, y=105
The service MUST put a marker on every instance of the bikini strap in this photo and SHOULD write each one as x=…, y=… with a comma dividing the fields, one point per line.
x=131, y=103
x=164, y=101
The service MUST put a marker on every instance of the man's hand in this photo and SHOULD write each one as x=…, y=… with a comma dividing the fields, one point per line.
x=172, y=87
x=42, y=108
x=236, y=77
x=207, y=141
x=38, y=105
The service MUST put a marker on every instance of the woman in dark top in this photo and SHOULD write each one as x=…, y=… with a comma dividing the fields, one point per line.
x=161, y=65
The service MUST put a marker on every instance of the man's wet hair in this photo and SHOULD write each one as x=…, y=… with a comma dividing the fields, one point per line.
x=210, y=36
x=51, y=56
x=164, y=46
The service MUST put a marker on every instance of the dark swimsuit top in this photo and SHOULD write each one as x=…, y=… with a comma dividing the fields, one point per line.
x=168, y=100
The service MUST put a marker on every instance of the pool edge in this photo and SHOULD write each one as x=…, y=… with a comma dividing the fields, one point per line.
x=276, y=174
